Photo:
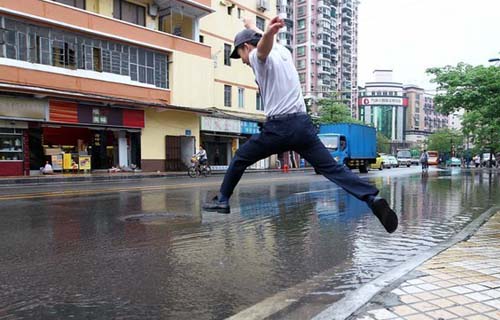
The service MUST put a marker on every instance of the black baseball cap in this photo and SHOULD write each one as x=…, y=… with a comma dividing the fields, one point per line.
x=242, y=37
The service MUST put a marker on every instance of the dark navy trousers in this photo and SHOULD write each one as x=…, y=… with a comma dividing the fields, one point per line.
x=295, y=132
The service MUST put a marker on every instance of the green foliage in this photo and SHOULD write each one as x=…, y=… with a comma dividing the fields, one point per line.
x=331, y=111
x=383, y=143
x=443, y=141
x=476, y=89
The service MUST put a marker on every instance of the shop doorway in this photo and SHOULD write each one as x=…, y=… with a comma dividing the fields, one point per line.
x=37, y=157
x=100, y=144
x=178, y=152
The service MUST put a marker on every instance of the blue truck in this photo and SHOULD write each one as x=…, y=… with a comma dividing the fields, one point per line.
x=354, y=145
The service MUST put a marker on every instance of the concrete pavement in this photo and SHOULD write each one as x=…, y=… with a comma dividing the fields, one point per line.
x=462, y=282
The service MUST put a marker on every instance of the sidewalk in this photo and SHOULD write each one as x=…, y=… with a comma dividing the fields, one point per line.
x=103, y=176
x=462, y=282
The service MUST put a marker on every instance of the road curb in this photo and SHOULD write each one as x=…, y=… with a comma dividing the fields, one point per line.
x=356, y=299
x=119, y=176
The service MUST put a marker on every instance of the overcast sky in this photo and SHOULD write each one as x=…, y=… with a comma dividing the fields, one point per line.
x=409, y=36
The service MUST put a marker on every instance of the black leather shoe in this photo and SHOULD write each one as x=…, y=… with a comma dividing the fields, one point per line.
x=384, y=213
x=217, y=206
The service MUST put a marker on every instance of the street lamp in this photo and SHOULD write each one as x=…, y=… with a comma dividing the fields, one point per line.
x=496, y=61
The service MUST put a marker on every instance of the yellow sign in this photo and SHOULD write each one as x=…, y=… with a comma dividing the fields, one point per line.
x=57, y=162
x=84, y=162
x=67, y=161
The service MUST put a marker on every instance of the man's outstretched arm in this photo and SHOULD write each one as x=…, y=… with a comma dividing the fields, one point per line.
x=265, y=44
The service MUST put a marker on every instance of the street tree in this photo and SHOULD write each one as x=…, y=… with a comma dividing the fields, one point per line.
x=476, y=89
x=445, y=140
x=332, y=111
x=383, y=143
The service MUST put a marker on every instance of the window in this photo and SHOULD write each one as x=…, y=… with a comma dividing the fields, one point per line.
x=260, y=23
x=241, y=97
x=96, y=58
x=301, y=11
x=301, y=51
x=227, y=96
x=301, y=23
x=239, y=13
x=227, y=54
x=75, y=3
x=301, y=38
x=301, y=64
x=129, y=12
x=202, y=39
x=302, y=77
x=258, y=102
x=230, y=10
x=63, y=53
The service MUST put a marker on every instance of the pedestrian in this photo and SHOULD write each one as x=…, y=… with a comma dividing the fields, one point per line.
x=477, y=160
x=424, y=161
x=287, y=126
x=47, y=169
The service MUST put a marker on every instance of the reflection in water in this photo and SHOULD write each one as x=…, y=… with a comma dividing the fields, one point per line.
x=80, y=257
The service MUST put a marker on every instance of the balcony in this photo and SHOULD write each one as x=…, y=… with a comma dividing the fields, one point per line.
x=347, y=15
x=324, y=70
x=347, y=5
x=69, y=61
x=86, y=21
x=347, y=42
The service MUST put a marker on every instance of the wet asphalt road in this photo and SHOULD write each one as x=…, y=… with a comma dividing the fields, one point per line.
x=144, y=250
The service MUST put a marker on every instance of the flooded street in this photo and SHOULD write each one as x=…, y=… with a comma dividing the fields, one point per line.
x=146, y=251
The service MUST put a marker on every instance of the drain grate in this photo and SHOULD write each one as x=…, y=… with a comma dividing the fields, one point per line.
x=158, y=217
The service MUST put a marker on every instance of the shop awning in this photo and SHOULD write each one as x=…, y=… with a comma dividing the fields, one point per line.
x=40, y=92
x=238, y=115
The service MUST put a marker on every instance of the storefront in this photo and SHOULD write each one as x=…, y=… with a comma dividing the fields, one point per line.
x=16, y=113
x=96, y=137
x=221, y=137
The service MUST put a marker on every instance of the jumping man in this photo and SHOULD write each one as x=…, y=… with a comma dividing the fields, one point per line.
x=287, y=126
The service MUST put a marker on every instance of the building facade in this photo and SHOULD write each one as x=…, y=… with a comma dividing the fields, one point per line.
x=135, y=84
x=403, y=113
x=383, y=105
x=423, y=119
x=347, y=67
x=322, y=35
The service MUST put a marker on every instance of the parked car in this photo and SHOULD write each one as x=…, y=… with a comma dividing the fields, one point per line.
x=386, y=163
x=485, y=161
x=454, y=162
x=393, y=161
x=404, y=157
x=389, y=161
x=379, y=163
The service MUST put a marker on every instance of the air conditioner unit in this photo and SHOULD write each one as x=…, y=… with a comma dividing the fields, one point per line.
x=262, y=5
x=153, y=10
